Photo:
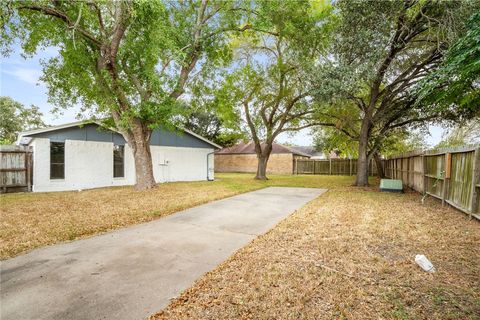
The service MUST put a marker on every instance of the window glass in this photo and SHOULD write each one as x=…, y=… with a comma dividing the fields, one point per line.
x=57, y=160
x=118, y=161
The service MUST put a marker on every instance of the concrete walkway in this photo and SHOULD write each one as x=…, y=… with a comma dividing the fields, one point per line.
x=134, y=272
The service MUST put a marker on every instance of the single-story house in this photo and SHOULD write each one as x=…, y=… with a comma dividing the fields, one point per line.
x=84, y=155
x=242, y=158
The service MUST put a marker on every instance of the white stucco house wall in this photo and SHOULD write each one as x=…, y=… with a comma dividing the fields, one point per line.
x=83, y=155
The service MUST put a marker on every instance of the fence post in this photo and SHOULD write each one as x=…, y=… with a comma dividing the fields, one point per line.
x=385, y=168
x=27, y=170
x=448, y=173
x=424, y=173
x=397, y=172
x=401, y=169
x=392, y=168
x=350, y=165
x=408, y=171
x=30, y=170
x=388, y=164
x=444, y=184
x=475, y=180
x=330, y=166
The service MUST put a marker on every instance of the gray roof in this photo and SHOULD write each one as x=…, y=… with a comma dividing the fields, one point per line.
x=92, y=131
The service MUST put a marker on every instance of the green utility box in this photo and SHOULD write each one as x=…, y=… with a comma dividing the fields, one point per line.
x=391, y=185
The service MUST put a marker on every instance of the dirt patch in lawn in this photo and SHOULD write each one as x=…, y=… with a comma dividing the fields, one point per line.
x=31, y=220
x=349, y=254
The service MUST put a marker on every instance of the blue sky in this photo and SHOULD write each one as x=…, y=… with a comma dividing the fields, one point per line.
x=19, y=79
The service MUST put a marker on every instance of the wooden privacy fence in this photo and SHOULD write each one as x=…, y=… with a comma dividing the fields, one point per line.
x=15, y=168
x=452, y=175
x=330, y=166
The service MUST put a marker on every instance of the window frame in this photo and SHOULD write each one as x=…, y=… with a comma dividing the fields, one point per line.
x=117, y=148
x=56, y=163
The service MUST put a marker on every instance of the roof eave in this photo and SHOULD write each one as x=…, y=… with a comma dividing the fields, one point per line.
x=85, y=122
x=202, y=138
x=53, y=128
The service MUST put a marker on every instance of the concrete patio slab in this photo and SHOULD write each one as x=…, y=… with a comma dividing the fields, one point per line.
x=134, y=272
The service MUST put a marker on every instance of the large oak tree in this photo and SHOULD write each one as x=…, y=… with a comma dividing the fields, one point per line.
x=268, y=88
x=383, y=50
x=127, y=60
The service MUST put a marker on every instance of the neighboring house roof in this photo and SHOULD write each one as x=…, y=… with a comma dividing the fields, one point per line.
x=80, y=124
x=310, y=150
x=249, y=148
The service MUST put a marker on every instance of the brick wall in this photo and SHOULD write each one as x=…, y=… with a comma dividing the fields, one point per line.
x=278, y=163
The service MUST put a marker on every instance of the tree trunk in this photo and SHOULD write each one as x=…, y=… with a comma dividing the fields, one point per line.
x=262, y=157
x=140, y=143
x=261, y=168
x=143, y=167
x=362, y=163
x=378, y=162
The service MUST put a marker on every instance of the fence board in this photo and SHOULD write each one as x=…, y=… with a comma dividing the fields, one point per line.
x=460, y=186
x=425, y=172
x=331, y=166
x=476, y=182
x=434, y=173
x=15, y=169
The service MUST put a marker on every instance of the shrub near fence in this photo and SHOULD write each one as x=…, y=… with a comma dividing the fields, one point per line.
x=452, y=175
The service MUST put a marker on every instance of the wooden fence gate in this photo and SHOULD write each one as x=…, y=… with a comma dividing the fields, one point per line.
x=451, y=175
x=15, y=169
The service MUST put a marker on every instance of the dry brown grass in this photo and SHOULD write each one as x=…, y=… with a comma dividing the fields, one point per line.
x=31, y=220
x=347, y=255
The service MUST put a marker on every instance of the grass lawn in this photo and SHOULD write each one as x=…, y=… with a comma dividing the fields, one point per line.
x=349, y=254
x=31, y=220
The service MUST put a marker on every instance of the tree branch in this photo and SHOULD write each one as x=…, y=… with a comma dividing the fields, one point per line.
x=64, y=17
x=192, y=59
x=119, y=29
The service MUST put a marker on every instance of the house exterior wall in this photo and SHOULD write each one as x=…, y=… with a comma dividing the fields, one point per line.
x=181, y=164
x=279, y=163
x=89, y=164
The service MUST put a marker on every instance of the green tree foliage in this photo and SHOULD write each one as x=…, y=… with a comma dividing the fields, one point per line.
x=329, y=140
x=208, y=124
x=400, y=141
x=383, y=49
x=397, y=141
x=267, y=91
x=127, y=60
x=456, y=83
x=403, y=141
x=461, y=134
x=15, y=117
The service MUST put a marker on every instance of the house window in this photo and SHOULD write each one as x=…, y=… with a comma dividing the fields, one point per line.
x=57, y=160
x=118, y=161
